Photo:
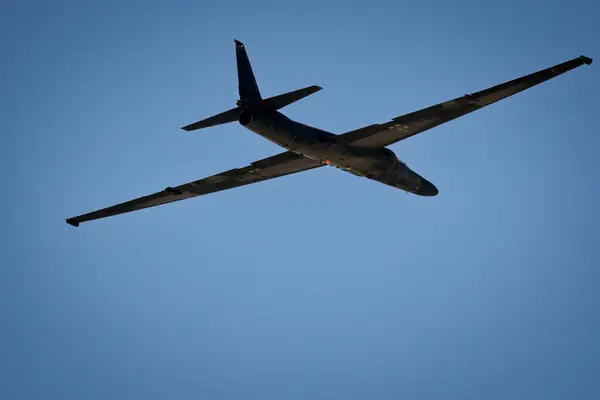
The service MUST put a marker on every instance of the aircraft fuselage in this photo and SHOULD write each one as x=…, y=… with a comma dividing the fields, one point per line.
x=380, y=164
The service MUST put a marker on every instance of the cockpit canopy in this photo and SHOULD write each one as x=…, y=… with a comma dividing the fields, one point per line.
x=389, y=153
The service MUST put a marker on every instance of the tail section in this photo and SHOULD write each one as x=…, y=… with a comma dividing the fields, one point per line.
x=246, y=82
x=250, y=95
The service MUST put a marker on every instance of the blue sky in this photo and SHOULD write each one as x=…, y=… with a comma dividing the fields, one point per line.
x=320, y=284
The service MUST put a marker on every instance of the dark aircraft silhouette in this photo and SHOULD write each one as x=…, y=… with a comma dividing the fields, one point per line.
x=361, y=152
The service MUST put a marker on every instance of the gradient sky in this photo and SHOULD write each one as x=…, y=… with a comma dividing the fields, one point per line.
x=320, y=285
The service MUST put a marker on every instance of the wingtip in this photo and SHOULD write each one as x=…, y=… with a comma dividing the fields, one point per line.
x=238, y=44
x=586, y=60
x=314, y=88
x=73, y=222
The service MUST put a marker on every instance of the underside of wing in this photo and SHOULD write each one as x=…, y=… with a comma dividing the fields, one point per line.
x=405, y=126
x=279, y=165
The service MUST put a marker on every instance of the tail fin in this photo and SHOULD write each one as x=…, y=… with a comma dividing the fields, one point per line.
x=246, y=82
x=250, y=95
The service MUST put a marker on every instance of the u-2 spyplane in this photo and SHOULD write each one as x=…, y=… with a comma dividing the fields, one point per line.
x=361, y=152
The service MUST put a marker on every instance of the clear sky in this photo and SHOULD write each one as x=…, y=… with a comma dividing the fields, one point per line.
x=320, y=285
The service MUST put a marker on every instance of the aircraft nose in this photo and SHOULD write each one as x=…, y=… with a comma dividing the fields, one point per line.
x=427, y=188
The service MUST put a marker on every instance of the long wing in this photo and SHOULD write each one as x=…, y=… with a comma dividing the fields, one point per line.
x=408, y=125
x=272, y=167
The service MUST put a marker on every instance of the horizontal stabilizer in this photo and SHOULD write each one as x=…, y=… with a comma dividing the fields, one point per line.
x=272, y=103
x=223, y=118
x=277, y=102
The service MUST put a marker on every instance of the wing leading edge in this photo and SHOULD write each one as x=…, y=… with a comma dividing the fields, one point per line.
x=405, y=126
x=272, y=167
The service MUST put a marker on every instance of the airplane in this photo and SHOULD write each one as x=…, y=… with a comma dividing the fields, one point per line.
x=361, y=152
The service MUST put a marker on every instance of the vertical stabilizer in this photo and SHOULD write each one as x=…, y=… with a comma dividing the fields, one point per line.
x=246, y=82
